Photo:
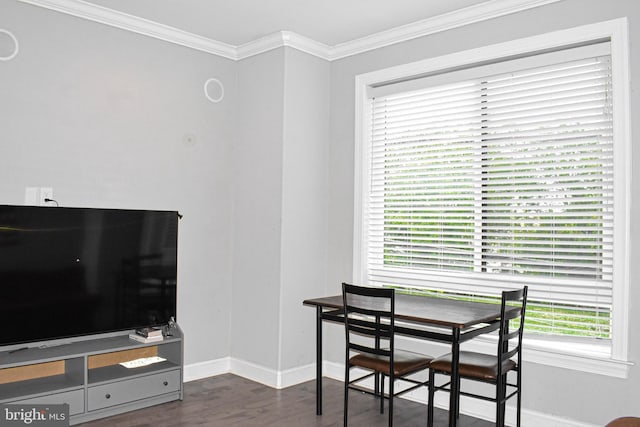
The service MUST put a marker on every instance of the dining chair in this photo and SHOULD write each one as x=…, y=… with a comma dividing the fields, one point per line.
x=491, y=368
x=370, y=344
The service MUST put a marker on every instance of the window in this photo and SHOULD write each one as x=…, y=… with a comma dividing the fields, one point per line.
x=498, y=174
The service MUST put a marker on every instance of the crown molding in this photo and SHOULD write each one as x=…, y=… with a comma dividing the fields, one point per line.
x=258, y=46
x=280, y=39
x=469, y=15
x=447, y=21
x=124, y=21
x=307, y=45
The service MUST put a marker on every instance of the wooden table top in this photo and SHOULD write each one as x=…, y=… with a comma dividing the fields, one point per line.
x=429, y=310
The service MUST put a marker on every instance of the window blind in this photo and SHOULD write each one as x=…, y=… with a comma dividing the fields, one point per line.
x=499, y=180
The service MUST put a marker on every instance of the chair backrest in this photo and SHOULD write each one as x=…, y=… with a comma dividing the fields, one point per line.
x=368, y=314
x=512, y=310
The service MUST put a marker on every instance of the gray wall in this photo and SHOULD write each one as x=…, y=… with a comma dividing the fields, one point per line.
x=280, y=205
x=257, y=209
x=305, y=199
x=110, y=118
x=581, y=396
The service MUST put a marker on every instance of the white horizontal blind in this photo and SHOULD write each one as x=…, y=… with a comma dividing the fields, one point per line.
x=499, y=181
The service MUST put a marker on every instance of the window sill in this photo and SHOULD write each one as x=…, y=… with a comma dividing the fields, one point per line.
x=591, y=358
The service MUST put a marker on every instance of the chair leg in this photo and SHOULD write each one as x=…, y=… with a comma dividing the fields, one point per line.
x=518, y=401
x=458, y=401
x=346, y=395
x=381, y=393
x=498, y=405
x=504, y=399
x=391, y=391
x=498, y=408
x=501, y=392
x=431, y=394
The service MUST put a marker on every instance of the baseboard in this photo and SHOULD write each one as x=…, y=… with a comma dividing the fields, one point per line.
x=278, y=380
x=295, y=376
x=249, y=370
x=211, y=368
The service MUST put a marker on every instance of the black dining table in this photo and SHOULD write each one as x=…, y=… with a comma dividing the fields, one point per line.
x=427, y=317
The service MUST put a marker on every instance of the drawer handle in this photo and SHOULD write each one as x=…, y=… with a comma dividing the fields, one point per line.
x=166, y=383
x=108, y=396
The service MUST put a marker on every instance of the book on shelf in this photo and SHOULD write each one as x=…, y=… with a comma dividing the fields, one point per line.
x=149, y=332
x=145, y=340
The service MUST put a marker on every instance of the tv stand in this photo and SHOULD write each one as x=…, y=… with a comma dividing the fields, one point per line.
x=88, y=376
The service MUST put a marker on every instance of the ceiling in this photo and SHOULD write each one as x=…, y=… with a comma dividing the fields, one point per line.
x=331, y=22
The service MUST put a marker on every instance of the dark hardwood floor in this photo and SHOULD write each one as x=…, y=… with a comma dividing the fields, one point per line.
x=229, y=400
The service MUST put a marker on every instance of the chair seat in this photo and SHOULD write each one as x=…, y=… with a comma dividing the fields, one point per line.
x=405, y=362
x=625, y=422
x=474, y=365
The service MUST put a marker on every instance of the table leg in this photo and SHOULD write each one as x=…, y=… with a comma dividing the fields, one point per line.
x=318, y=360
x=455, y=378
x=377, y=376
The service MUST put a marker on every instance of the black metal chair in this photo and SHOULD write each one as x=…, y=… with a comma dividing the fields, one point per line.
x=369, y=330
x=491, y=368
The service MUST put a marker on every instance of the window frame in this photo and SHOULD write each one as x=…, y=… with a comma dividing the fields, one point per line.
x=616, y=31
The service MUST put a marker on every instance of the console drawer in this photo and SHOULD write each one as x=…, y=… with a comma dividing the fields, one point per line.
x=75, y=399
x=103, y=396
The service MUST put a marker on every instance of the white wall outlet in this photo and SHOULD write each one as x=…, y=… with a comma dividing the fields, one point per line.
x=46, y=195
x=32, y=196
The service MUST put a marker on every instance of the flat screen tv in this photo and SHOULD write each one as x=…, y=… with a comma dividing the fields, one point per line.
x=67, y=272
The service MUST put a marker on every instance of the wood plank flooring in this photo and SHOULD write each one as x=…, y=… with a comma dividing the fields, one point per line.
x=229, y=400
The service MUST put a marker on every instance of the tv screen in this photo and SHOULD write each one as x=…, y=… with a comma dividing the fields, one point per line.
x=67, y=272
